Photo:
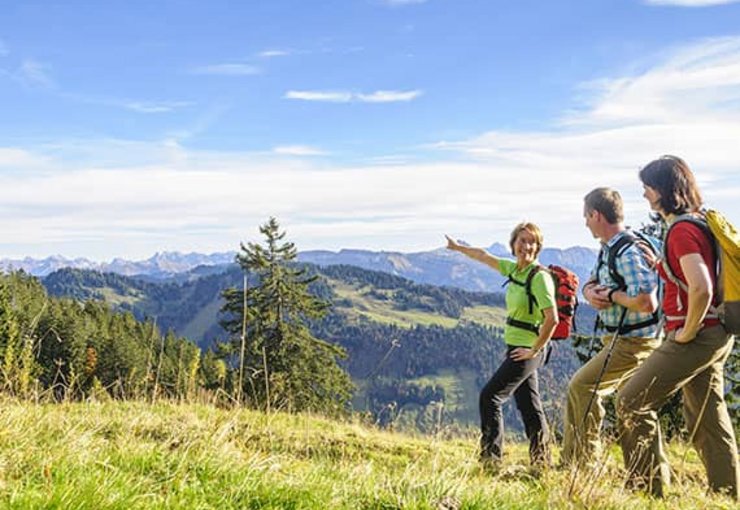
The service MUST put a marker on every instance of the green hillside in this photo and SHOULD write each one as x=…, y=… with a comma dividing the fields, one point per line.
x=411, y=347
x=130, y=455
x=191, y=307
x=363, y=301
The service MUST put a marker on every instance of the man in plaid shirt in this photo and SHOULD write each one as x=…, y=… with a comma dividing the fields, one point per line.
x=627, y=283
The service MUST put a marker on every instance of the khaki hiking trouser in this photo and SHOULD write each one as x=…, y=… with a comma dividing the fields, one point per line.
x=696, y=368
x=581, y=435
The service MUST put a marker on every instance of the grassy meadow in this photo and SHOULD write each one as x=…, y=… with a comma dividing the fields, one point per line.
x=134, y=455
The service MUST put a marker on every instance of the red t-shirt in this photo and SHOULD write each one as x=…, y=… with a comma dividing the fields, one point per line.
x=684, y=238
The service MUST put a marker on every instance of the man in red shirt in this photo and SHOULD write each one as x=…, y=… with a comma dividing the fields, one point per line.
x=693, y=354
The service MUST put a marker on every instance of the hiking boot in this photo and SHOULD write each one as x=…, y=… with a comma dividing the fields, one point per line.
x=490, y=464
x=652, y=487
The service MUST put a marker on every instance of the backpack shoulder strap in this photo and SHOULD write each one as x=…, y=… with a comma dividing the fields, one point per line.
x=629, y=238
x=702, y=225
x=528, y=286
x=624, y=242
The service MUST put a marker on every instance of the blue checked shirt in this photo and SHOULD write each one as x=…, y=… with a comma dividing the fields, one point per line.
x=638, y=278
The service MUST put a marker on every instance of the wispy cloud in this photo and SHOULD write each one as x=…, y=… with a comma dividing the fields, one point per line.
x=688, y=105
x=314, y=95
x=690, y=3
x=35, y=74
x=273, y=53
x=298, y=150
x=228, y=69
x=696, y=81
x=4, y=50
x=380, y=96
x=136, y=105
x=389, y=96
x=32, y=73
x=156, y=107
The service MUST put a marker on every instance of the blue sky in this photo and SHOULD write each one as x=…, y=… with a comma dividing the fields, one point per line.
x=141, y=126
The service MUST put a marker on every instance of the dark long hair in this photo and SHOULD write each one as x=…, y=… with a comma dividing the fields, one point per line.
x=672, y=178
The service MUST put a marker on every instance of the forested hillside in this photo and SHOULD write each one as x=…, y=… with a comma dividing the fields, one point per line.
x=72, y=349
x=416, y=353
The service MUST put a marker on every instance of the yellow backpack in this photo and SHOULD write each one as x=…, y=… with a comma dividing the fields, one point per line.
x=728, y=278
x=727, y=248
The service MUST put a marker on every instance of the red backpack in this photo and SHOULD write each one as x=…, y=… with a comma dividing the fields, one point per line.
x=566, y=289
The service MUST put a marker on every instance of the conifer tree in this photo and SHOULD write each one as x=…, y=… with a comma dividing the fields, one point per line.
x=286, y=367
x=9, y=333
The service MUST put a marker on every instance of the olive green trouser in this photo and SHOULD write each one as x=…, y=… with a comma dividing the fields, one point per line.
x=581, y=434
x=696, y=368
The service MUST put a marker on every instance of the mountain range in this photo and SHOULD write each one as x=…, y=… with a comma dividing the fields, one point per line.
x=160, y=266
x=436, y=267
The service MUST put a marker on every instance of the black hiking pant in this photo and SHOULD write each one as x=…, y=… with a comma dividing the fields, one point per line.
x=519, y=378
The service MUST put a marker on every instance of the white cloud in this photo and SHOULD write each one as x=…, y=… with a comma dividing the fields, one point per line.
x=380, y=96
x=136, y=199
x=389, y=96
x=273, y=53
x=324, y=96
x=231, y=69
x=19, y=158
x=298, y=150
x=4, y=50
x=688, y=105
x=698, y=80
x=155, y=106
x=690, y=3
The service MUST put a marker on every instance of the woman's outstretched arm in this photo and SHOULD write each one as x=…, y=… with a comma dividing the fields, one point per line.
x=478, y=254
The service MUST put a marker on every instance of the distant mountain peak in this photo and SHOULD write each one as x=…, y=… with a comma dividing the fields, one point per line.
x=437, y=267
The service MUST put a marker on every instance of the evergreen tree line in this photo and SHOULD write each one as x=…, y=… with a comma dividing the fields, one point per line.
x=67, y=349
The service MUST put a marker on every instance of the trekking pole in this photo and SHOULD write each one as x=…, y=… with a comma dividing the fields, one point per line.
x=603, y=368
x=595, y=390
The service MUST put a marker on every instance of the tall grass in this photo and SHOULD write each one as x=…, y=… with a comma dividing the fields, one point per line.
x=135, y=455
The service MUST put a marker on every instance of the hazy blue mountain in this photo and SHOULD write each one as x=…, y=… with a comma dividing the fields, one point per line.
x=443, y=267
x=160, y=266
x=436, y=267
x=42, y=267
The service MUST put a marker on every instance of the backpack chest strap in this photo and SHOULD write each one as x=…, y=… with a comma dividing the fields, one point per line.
x=522, y=325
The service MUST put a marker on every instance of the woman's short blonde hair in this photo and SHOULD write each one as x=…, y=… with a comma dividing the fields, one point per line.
x=532, y=229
